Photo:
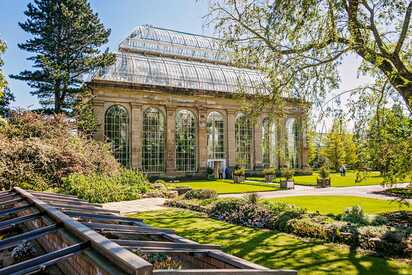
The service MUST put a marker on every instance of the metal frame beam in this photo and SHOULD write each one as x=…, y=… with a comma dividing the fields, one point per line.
x=33, y=234
x=102, y=217
x=15, y=209
x=18, y=220
x=39, y=263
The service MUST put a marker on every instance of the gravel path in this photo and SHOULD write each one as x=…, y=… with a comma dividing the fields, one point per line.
x=136, y=206
x=300, y=190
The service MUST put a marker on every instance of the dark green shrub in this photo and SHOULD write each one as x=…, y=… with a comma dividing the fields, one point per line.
x=251, y=198
x=201, y=194
x=323, y=173
x=127, y=185
x=269, y=171
x=355, y=215
x=288, y=173
x=240, y=172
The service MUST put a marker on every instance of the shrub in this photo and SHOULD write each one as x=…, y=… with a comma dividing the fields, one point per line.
x=200, y=194
x=323, y=173
x=36, y=152
x=240, y=172
x=288, y=173
x=251, y=198
x=355, y=215
x=269, y=171
x=127, y=185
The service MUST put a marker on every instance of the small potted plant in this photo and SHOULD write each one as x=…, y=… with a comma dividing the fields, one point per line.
x=239, y=175
x=269, y=174
x=210, y=172
x=323, y=180
x=288, y=182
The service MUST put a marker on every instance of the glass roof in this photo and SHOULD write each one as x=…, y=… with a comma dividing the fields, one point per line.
x=173, y=43
x=177, y=73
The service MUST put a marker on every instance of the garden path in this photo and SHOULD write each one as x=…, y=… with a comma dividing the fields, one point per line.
x=136, y=206
x=300, y=190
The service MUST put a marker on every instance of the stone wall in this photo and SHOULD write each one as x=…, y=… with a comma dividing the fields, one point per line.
x=137, y=99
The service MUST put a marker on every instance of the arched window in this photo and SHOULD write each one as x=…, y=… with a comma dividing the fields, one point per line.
x=117, y=132
x=186, y=141
x=243, y=137
x=153, y=141
x=292, y=132
x=215, y=136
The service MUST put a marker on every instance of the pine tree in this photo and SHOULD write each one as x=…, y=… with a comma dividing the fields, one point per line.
x=3, y=82
x=66, y=39
x=5, y=101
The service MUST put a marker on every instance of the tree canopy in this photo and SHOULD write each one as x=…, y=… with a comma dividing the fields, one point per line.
x=300, y=43
x=3, y=82
x=66, y=41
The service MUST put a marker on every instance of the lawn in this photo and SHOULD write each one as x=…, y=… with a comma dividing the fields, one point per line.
x=337, y=204
x=371, y=178
x=272, y=249
x=226, y=186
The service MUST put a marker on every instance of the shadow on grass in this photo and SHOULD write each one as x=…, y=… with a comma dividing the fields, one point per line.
x=273, y=249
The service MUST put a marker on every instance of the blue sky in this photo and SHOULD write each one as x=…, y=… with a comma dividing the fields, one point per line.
x=121, y=17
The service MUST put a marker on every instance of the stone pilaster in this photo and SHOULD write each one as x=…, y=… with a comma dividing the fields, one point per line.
x=171, y=141
x=281, y=127
x=202, y=140
x=136, y=123
x=231, y=138
x=304, y=144
x=98, y=107
x=257, y=142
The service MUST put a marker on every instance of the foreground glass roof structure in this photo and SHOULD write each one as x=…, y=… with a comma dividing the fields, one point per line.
x=160, y=57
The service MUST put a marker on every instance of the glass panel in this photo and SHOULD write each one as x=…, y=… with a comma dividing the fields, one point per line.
x=153, y=141
x=215, y=136
x=243, y=136
x=273, y=145
x=186, y=142
x=116, y=129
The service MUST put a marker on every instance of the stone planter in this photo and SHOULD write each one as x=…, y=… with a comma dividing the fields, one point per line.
x=269, y=178
x=287, y=184
x=182, y=190
x=323, y=183
x=238, y=179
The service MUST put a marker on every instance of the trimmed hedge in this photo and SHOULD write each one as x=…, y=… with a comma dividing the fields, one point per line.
x=200, y=194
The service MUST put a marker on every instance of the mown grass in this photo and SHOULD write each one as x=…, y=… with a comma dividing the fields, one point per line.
x=369, y=178
x=272, y=249
x=226, y=186
x=337, y=204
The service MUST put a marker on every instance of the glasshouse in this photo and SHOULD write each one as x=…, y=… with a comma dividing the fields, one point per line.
x=168, y=106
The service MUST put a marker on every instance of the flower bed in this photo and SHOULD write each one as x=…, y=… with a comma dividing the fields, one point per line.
x=354, y=227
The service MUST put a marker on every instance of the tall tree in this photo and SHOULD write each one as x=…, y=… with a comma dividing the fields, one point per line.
x=66, y=41
x=3, y=82
x=305, y=40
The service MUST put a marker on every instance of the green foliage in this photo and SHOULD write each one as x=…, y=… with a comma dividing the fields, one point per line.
x=98, y=188
x=200, y=194
x=3, y=82
x=240, y=172
x=66, y=41
x=323, y=172
x=86, y=121
x=355, y=215
x=37, y=151
x=269, y=171
x=251, y=198
x=5, y=101
x=288, y=173
x=388, y=146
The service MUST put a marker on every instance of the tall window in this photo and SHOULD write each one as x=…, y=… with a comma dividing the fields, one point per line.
x=273, y=145
x=186, y=144
x=117, y=132
x=266, y=141
x=243, y=137
x=292, y=132
x=215, y=136
x=153, y=141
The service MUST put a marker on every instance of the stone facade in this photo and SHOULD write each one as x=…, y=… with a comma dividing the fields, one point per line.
x=137, y=99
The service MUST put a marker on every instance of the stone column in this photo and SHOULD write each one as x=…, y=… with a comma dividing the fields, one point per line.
x=98, y=107
x=202, y=140
x=136, y=123
x=304, y=143
x=258, y=143
x=171, y=141
x=281, y=141
x=231, y=138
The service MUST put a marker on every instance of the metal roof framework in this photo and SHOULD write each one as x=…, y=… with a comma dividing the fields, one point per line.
x=100, y=233
x=177, y=73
